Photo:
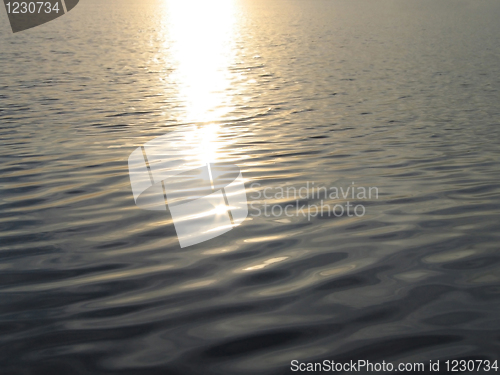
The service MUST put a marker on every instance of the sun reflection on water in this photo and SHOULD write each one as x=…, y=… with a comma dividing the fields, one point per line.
x=199, y=51
x=201, y=34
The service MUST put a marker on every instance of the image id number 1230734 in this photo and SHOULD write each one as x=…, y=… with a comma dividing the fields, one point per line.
x=32, y=7
x=471, y=365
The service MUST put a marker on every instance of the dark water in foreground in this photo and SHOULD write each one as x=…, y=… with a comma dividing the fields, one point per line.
x=398, y=95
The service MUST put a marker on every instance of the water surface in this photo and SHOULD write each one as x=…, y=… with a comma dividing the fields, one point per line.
x=398, y=95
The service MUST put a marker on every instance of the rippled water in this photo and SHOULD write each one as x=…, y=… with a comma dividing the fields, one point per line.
x=398, y=95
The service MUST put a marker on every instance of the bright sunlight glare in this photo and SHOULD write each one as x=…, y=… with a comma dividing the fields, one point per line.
x=202, y=36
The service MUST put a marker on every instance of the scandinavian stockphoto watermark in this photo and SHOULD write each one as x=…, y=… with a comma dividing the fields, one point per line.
x=174, y=173
x=310, y=200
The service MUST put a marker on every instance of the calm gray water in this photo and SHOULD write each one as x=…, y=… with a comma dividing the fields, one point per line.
x=394, y=94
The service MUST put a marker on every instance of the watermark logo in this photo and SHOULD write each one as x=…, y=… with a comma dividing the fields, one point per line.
x=310, y=200
x=205, y=199
x=27, y=14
